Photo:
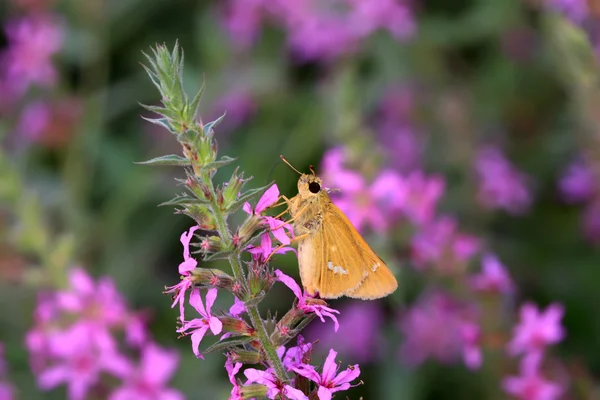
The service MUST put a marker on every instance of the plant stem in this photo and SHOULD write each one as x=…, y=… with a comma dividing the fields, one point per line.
x=238, y=273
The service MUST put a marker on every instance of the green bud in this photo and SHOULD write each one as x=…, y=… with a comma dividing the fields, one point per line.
x=245, y=356
x=232, y=190
x=254, y=390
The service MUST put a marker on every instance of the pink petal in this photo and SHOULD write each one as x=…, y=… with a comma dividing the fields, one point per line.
x=347, y=376
x=290, y=283
x=330, y=367
x=211, y=296
x=247, y=208
x=81, y=282
x=308, y=371
x=196, y=302
x=324, y=393
x=294, y=394
x=215, y=325
x=158, y=365
x=53, y=377
x=268, y=198
x=197, y=337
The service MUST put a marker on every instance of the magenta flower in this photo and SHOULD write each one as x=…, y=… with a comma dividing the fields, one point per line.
x=232, y=370
x=295, y=356
x=530, y=385
x=199, y=326
x=238, y=307
x=275, y=387
x=536, y=329
x=576, y=10
x=329, y=380
x=319, y=310
x=422, y=196
x=78, y=363
x=494, y=278
x=439, y=327
x=441, y=245
x=185, y=269
x=32, y=42
x=578, y=183
x=501, y=185
x=363, y=345
x=148, y=381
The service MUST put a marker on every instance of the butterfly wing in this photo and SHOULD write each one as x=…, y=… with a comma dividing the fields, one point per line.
x=347, y=265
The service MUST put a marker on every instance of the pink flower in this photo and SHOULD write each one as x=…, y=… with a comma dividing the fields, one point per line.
x=232, y=370
x=148, y=380
x=536, y=329
x=501, y=185
x=422, y=196
x=578, y=183
x=441, y=245
x=185, y=269
x=494, y=278
x=295, y=356
x=530, y=385
x=32, y=42
x=321, y=311
x=78, y=363
x=199, y=326
x=238, y=308
x=439, y=327
x=275, y=387
x=329, y=380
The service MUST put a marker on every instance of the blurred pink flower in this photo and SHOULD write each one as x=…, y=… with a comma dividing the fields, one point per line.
x=576, y=10
x=359, y=337
x=536, y=329
x=242, y=19
x=238, y=105
x=329, y=380
x=531, y=385
x=275, y=387
x=185, y=269
x=320, y=310
x=199, y=326
x=578, y=183
x=501, y=185
x=422, y=195
x=32, y=42
x=493, y=278
x=148, y=380
x=439, y=327
x=439, y=245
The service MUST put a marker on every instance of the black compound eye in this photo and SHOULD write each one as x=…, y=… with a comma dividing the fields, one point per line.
x=314, y=187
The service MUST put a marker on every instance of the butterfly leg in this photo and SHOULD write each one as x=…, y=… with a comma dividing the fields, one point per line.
x=295, y=239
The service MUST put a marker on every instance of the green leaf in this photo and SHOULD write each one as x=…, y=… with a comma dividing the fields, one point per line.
x=219, y=255
x=164, y=122
x=167, y=160
x=185, y=200
x=211, y=125
x=230, y=342
x=247, y=196
x=225, y=160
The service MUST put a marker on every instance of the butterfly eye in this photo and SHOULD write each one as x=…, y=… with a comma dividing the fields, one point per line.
x=314, y=187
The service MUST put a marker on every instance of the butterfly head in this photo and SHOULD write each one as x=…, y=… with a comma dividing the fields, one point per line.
x=309, y=185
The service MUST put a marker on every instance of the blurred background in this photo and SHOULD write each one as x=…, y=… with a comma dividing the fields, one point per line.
x=497, y=100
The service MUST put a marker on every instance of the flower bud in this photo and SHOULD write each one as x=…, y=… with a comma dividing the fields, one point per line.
x=249, y=227
x=206, y=153
x=211, y=244
x=253, y=390
x=245, y=356
x=232, y=189
x=202, y=215
x=212, y=278
x=237, y=326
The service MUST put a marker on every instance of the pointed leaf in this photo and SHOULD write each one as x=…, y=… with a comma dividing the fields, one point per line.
x=229, y=343
x=211, y=125
x=225, y=160
x=220, y=255
x=185, y=201
x=167, y=160
x=161, y=122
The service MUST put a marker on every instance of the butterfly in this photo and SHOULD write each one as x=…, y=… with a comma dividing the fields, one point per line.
x=334, y=260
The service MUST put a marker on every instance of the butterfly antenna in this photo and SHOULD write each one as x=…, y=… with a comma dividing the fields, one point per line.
x=290, y=165
x=311, y=169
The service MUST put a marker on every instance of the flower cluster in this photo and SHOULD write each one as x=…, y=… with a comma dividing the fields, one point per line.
x=319, y=31
x=536, y=331
x=241, y=332
x=76, y=341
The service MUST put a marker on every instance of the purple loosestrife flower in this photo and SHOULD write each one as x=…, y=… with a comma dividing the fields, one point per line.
x=276, y=226
x=531, y=385
x=363, y=345
x=275, y=387
x=578, y=184
x=232, y=369
x=148, y=381
x=320, y=310
x=329, y=380
x=79, y=363
x=422, y=195
x=537, y=329
x=199, y=326
x=295, y=356
x=238, y=308
x=32, y=42
x=185, y=269
x=242, y=20
x=493, y=278
x=439, y=327
x=501, y=186
x=441, y=245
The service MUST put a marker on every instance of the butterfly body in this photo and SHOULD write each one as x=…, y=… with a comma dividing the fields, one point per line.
x=334, y=260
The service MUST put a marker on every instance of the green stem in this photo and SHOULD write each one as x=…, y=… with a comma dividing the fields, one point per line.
x=238, y=273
